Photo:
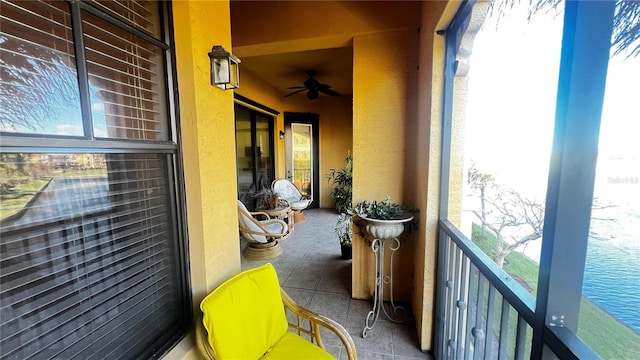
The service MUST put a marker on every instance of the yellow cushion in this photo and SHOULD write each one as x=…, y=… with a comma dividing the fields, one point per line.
x=244, y=316
x=292, y=346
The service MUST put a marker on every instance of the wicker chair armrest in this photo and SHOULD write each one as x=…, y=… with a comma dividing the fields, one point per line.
x=202, y=343
x=260, y=213
x=317, y=320
x=283, y=226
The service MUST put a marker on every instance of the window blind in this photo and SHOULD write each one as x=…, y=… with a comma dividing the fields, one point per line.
x=87, y=266
x=91, y=257
x=127, y=75
x=137, y=13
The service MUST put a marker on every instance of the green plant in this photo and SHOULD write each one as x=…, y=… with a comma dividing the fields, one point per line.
x=343, y=179
x=344, y=229
x=382, y=210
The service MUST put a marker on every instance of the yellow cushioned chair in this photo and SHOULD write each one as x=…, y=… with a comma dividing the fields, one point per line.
x=244, y=318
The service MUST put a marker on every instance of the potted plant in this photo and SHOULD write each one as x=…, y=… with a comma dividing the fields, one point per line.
x=384, y=219
x=344, y=230
x=343, y=181
x=267, y=199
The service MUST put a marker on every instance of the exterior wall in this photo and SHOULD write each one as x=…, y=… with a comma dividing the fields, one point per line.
x=336, y=134
x=335, y=126
x=432, y=49
x=435, y=17
x=384, y=73
x=392, y=125
x=207, y=127
x=253, y=88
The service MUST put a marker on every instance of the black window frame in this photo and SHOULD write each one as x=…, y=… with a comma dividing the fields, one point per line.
x=170, y=148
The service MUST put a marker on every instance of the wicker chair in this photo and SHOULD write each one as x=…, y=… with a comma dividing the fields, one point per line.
x=246, y=318
x=292, y=194
x=262, y=235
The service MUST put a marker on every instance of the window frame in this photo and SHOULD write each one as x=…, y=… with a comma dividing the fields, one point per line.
x=171, y=148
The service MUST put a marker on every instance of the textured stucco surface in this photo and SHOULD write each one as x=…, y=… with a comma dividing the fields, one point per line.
x=207, y=128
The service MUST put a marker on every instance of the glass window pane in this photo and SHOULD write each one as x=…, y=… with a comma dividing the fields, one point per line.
x=126, y=82
x=611, y=285
x=302, y=157
x=87, y=255
x=504, y=109
x=144, y=15
x=254, y=142
x=39, y=84
x=246, y=182
x=264, y=144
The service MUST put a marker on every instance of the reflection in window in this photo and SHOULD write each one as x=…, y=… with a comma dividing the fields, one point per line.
x=127, y=85
x=90, y=258
x=611, y=285
x=39, y=84
x=86, y=238
x=254, y=142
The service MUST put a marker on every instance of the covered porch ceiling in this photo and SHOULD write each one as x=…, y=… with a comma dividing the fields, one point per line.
x=283, y=70
x=280, y=41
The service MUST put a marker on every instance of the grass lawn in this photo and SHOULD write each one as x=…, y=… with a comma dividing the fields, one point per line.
x=603, y=333
x=19, y=196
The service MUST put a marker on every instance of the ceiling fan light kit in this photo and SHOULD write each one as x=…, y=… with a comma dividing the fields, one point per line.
x=313, y=88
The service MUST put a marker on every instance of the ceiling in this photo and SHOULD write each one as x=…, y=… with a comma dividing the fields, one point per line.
x=332, y=66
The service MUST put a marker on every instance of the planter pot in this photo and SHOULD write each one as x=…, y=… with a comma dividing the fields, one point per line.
x=385, y=229
x=346, y=252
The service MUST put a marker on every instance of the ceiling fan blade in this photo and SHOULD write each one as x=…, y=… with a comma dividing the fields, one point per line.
x=329, y=92
x=296, y=87
x=324, y=86
x=296, y=92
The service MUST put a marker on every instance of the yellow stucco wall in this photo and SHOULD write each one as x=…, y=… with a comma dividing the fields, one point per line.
x=435, y=17
x=336, y=134
x=385, y=68
x=335, y=125
x=254, y=88
x=207, y=127
x=392, y=124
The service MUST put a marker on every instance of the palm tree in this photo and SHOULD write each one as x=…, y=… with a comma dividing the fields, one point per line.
x=626, y=22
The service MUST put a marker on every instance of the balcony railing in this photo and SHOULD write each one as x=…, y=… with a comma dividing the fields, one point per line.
x=483, y=313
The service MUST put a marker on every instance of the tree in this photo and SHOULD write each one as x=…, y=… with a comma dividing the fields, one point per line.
x=626, y=28
x=514, y=219
x=480, y=181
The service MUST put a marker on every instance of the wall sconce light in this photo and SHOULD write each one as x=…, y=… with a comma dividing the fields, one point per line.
x=281, y=135
x=224, y=68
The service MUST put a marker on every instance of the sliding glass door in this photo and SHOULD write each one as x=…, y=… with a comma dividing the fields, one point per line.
x=254, y=145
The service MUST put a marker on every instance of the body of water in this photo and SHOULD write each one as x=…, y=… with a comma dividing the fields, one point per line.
x=612, y=269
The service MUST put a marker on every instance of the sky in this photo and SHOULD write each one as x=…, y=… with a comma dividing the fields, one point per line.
x=512, y=93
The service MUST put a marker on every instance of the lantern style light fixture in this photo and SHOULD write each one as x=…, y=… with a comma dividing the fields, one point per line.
x=224, y=68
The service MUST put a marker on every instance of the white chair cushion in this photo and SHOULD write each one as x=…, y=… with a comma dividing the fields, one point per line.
x=291, y=194
x=274, y=227
x=299, y=205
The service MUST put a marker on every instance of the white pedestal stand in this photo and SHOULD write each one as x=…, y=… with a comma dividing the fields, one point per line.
x=384, y=231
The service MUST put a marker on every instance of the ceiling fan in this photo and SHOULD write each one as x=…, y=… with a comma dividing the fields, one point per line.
x=314, y=87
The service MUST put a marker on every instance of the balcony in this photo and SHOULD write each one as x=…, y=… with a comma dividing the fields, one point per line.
x=311, y=271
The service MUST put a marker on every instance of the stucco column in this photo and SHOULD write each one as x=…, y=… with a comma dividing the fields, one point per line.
x=208, y=143
x=384, y=69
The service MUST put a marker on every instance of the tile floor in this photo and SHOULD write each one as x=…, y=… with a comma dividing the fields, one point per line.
x=313, y=274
